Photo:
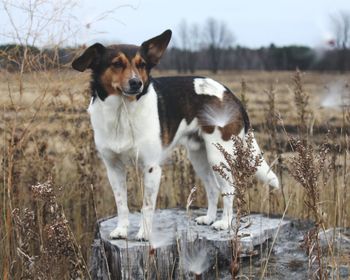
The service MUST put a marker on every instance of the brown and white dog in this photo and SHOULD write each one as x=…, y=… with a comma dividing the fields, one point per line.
x=136, y=116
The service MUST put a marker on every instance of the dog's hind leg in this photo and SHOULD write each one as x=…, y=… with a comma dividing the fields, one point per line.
x=226, y=189
x=204, y=171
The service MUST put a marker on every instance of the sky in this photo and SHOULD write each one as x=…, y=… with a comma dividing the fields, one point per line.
x=254, y=23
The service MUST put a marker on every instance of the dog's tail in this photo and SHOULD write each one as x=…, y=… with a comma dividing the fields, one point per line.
x=264, y=172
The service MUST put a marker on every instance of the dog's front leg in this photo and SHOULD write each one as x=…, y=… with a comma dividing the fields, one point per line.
x=152, y=175
x=117, y=177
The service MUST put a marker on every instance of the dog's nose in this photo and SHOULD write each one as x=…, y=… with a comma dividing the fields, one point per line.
x=135, y=84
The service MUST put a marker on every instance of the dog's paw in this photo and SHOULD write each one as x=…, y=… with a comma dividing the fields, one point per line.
x=119, y=233
x=142, y=235
x=204, y=220
x=221, y=224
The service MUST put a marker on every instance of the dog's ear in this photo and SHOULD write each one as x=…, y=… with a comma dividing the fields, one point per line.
x=153, y=49
x=89, y=58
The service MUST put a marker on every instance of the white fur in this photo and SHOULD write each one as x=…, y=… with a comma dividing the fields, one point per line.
x=209, y=87
x=121, y=126
x=264, y=172
x=221, y=116
x=215, y=157
x=205, y=172
x=126, y=129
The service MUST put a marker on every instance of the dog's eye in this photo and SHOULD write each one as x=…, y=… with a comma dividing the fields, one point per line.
x=142, y=65
x=118, y=64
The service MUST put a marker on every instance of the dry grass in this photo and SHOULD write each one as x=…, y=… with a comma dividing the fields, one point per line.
x=238, y=169
x=46, y=133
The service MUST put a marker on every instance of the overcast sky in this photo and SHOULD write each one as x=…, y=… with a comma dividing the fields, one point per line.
x=254, y=22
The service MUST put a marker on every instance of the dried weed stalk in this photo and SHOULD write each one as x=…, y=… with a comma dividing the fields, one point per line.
x=345, y=147
x=306, y=167
x=30, y=24
x=238, y=168
x=46, y=243
x=243, y=93
x=301, y=99
x=271, y=119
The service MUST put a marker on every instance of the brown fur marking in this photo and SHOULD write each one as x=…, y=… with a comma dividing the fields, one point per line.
x=110, y=77
x=235, y=125
x=139, y=65
x=177, y=101
x=233, y=128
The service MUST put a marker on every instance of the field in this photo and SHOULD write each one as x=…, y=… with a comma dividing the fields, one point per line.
x=47, y=137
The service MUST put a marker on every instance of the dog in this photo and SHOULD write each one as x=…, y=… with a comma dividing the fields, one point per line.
x=136, y=116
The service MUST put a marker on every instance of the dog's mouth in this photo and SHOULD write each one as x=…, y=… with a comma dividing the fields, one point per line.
x=129, y=92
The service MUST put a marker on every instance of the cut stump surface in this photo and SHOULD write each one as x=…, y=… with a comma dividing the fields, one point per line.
x=178, y=247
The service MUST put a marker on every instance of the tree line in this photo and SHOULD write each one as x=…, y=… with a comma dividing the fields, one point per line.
x=265, y=58
x=209, y=47
x=183, y=61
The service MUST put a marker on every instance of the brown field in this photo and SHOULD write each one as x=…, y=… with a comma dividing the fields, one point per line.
x=46, y=134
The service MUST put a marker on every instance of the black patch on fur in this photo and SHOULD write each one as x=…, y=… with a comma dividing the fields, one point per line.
x=177, y=100
x=96, y=87
x=129, y=50
x=145, y=88
x=175, y=103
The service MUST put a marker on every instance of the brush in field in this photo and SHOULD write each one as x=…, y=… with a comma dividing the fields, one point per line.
x=306, y=167
x=238, y=168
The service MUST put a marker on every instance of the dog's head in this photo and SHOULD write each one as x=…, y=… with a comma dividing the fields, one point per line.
x=123, y=69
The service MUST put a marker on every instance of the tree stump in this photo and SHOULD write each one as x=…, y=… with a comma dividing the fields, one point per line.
x=178, y=247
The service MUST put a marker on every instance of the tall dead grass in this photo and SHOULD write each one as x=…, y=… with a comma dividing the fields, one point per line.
x=46, y=133
x=237, y=169
x=58, y=142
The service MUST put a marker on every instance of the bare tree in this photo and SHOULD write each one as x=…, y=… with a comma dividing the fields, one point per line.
x=182, y=42
x=217, y=38
x=341, y=32
x=189, y=39
x=195, y=42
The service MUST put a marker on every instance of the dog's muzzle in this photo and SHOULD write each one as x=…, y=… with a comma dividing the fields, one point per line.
x=135, y=87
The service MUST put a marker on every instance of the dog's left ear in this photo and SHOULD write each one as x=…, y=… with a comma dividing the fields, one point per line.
x=153, y=49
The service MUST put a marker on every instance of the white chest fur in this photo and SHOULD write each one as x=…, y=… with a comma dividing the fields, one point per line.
x=122, y=126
